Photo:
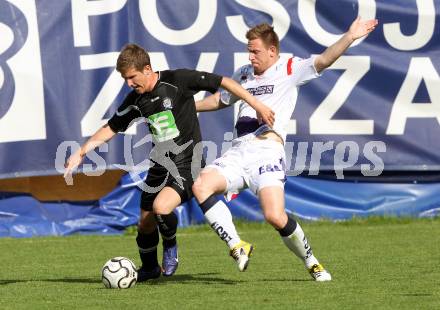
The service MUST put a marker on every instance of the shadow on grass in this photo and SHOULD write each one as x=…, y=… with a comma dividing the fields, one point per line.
x=284, y=280
x=65, y=280
x=210, y=278
x=201, y=278
x=418, y=294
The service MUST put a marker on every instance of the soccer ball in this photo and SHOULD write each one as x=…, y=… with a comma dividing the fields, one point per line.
x=119, y=272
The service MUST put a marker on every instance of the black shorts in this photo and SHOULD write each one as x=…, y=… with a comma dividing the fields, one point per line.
x=159, y=177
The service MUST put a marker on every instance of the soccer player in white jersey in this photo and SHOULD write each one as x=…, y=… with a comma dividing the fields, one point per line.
x=256, y=159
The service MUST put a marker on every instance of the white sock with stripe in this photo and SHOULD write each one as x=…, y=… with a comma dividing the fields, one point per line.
x=295, y=240
x=217, y=214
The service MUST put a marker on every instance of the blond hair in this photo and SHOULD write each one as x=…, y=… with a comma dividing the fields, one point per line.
x=266, y=34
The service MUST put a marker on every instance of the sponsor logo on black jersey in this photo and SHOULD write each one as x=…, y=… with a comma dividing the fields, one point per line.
x=167, y=103
x=261, y=90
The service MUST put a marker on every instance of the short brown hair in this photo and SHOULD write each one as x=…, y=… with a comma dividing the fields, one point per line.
x=132, y=56
x=265, y=33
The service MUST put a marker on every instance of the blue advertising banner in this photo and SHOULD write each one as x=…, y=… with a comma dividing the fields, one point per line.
x=376, y=109
x=306, y=198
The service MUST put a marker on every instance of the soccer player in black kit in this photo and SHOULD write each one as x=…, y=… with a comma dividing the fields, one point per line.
x=165, y=100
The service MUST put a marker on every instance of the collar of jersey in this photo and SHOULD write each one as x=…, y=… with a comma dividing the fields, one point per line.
x=157, y=82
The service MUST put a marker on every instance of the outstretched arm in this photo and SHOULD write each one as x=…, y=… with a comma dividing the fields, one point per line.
x=102, y=135
x=210, y=103
x=358, y=29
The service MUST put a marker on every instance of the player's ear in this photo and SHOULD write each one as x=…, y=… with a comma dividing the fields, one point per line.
x=147, y=70
x=272, y=51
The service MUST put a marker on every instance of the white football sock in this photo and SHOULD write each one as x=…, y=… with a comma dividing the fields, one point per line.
x=297, y=243
x=220, y=219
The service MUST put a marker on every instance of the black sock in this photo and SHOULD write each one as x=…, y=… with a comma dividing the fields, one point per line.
x=289, y=228
x=168, y=228
x=208, y=203
x=147, y=244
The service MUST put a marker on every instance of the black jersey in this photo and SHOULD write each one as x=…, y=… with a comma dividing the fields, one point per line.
x=169, y=110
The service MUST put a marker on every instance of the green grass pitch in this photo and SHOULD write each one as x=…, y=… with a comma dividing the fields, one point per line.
x=375, y=264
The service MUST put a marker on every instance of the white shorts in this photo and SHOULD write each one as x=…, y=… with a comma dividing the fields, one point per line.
x=254, y=164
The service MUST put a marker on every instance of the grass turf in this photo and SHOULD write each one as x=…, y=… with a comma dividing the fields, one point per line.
x=375, y=264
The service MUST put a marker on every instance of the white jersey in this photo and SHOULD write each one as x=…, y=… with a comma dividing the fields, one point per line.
x=277, y=88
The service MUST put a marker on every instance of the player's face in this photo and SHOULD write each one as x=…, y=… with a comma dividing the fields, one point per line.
x=260, y=56
x=140, y=81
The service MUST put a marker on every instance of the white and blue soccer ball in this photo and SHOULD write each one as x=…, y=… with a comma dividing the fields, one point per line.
x=119, y=272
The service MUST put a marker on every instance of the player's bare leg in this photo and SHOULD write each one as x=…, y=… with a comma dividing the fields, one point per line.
x=272, y=204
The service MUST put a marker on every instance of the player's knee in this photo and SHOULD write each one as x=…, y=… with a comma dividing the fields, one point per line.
x=201, y=190
x=196, y=188
x=160, y=206
x=274, y=218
